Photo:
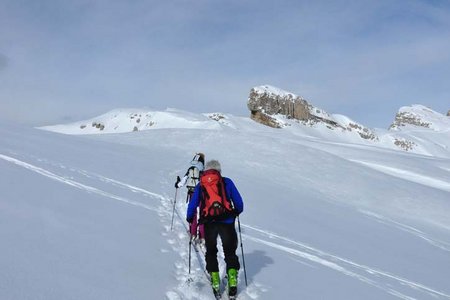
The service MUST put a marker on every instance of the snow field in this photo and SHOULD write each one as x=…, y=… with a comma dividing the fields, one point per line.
x=322, y=220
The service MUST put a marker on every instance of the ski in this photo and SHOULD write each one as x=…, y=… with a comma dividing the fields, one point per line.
x=232, y=295
x=221, y=293
x=194, y=242
x=217, y=294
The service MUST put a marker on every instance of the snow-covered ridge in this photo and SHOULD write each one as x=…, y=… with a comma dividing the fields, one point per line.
x=418, y=116
x=417, y=129
x=277, y=108
x=129, y=120
x=268, y=89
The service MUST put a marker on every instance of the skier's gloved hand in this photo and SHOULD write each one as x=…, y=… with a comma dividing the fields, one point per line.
x=190, y=220
x=178, y=181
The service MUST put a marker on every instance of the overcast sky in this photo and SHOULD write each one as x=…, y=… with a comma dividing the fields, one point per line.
x=68, y=60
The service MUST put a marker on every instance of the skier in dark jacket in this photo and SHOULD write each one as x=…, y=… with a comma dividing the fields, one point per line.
x=218, y=220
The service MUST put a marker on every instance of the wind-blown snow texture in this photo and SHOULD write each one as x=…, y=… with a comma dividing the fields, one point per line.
x=88, y=217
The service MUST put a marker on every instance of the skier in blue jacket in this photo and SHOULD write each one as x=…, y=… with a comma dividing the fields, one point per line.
x=219, y=202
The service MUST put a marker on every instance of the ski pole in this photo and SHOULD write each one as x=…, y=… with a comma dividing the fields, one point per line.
x=242, y=248
x=173, y=210
x=190, y=247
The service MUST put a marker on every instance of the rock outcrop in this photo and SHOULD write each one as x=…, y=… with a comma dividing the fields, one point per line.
x=273, y=107
x=271, y=101
x=404, y=118
x=421, y=117
x=417, y=118
x=404, y=144
x=266, y=101
x=448, y=113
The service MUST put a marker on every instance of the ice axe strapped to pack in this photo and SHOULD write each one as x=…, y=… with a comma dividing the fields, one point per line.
x=214, y=204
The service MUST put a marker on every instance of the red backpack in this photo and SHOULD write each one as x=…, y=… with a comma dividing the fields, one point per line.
x=214, y=204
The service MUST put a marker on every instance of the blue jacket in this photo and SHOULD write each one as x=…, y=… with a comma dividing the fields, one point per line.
x=232, y=194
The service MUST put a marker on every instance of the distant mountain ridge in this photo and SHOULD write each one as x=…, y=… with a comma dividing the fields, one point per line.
x=415, y=128
x=277, y=108
x=131, y=120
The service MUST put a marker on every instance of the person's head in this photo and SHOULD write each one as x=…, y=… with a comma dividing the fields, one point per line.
x=213, y=165
x=198, y=161
x=201, y=157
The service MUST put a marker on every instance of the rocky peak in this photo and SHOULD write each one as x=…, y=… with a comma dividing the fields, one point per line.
x=267, y=100
x=269, y=105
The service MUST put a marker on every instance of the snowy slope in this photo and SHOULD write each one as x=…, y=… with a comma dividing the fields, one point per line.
x=88, y=217
x=128, y=120
x=420, y=140
x=415, y=129
x=422, y=130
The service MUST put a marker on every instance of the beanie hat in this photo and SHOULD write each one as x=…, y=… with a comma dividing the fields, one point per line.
x=213, y=165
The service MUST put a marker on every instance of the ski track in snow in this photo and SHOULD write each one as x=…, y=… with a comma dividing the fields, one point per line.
x=328, y=264
x=407, y=175
x=318, y=255
x=73, y=183
x=124, y=185
x=191, y=286
x=195, y=285
x=332, y=261
x=409, y=229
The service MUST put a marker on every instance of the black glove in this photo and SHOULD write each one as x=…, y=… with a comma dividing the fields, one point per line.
x=190, y=220
x=178, y=181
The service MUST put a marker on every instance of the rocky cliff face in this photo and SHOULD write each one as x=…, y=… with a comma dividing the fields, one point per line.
x=273, y=107
x=269, y=101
